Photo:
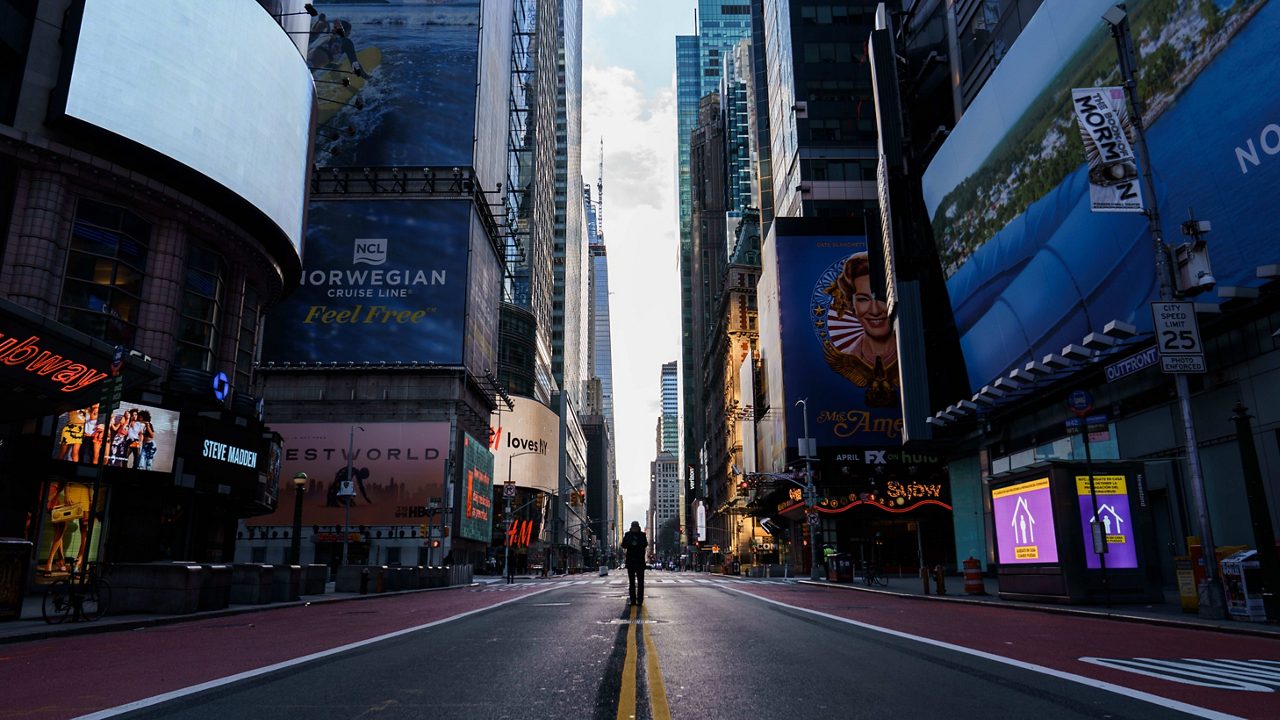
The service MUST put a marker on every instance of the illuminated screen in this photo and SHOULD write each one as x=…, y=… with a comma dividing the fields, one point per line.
x=396, y=468
x=1024, y=523
x=526, y=443
x=383, y=280
x=477, y=491
x=216, y=86
x=1029, y=267
x=839, y=345
x=1115, y=515
x=139, y=437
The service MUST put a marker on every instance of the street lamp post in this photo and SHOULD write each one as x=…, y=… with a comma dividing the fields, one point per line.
x=810, y=492
x=506, y=513
x=295, y=547
x=348, y=493
x=1212, y=598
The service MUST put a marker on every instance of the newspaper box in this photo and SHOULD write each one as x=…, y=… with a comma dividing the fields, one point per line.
x=1242, y=579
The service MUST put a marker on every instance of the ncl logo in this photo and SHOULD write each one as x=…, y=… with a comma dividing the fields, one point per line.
x=370, y=251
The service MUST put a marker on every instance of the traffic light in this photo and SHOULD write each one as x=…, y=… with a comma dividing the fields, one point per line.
x=435, y=543
x=743, y=488
x=422, y=529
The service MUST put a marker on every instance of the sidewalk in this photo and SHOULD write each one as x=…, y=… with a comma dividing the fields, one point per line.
x=31, y=626
x=1169, y=612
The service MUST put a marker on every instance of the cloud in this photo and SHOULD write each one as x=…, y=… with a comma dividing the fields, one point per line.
x=640, y=233
x=605, y=8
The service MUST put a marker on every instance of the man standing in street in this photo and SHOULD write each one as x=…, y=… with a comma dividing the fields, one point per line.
x=633, y=546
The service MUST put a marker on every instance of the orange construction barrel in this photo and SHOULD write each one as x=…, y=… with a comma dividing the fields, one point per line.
x=973, y=577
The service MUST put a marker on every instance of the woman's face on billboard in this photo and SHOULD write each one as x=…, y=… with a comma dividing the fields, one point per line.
x=869, y=311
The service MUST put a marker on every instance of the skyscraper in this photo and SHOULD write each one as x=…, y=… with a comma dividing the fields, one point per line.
x=699, y=66
x=669, y=438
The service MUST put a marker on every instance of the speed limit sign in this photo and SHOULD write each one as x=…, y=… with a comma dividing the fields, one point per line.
x=1177, y=337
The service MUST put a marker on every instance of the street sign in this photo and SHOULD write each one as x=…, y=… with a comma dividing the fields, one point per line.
x=508, y=489
x=1080, y=402
x=346, y=488
x=1178, y=337
x=1182, y=363
x=813, y=518
x=1131, y=364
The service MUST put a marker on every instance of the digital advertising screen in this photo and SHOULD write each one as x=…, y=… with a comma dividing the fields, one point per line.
x=216, y=86
x=396, y=468
x=839, y=350
x=382, y=281
x=417, y=82
x=526, y=444
x=1030, y=265
x=1116, y=517
x=477, y=490
x=1024, y=523
x=138, y=437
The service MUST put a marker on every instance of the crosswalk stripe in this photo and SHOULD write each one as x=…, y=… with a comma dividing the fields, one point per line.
x=1223, y=674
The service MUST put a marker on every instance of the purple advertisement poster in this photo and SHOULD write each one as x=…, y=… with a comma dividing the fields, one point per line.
x=1024, y=523
x=1113, y=513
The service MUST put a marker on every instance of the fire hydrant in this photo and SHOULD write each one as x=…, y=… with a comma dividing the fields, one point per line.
x=940, y=579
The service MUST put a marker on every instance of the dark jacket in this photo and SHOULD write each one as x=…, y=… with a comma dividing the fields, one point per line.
x=634, y=543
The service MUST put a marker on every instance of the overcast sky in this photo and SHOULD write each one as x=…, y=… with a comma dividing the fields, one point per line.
x=628, y=99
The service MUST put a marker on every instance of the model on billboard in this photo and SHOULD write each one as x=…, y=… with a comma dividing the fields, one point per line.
x=335, y=498
x=861, y=345
x=67, y=503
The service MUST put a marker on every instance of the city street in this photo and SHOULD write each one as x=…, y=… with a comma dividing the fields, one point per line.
x=701, y=646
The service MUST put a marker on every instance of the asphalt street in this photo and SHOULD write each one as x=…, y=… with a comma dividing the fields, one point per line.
x=700, y=647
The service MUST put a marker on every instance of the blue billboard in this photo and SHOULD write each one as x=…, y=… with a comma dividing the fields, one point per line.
x=1029, y=267
x=396, y=83
x=839, y=349
x=382, y=280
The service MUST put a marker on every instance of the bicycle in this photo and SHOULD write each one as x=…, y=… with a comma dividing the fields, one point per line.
x=82, y=596
x=872, y=576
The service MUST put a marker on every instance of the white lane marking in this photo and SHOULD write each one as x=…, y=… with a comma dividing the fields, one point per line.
x=1070, y=677
x=193, y=689
x=1247, y=675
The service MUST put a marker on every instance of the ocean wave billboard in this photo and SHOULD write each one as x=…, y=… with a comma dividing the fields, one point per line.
x=839, y=350
x=1029, y=267
x=382, y=280
x=396, y=83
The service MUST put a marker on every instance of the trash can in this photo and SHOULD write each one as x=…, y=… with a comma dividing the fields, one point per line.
x=840, y=567
x=15, y=563
x=1242, y=582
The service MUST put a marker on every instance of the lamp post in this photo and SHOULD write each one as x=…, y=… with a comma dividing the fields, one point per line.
x=506, y=514
x=295, y=547
x=1213, y=602
x=348, y=493
x=810, y=492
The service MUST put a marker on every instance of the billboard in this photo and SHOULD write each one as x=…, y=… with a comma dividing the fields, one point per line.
x=1024, y=523
x=526, y=444
x=477, y=491
x=214, y=86
x=418, y=69
x=1116, y=518
x=395, y=469
x=1029, y=266
x=139, y=437
x=382, y=281
x=838, y=343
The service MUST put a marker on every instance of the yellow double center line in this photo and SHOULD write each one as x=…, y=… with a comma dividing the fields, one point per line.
x=658, y=708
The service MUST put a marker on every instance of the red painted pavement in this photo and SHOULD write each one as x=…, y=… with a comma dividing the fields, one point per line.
x=70, y=676
x=1054, y=640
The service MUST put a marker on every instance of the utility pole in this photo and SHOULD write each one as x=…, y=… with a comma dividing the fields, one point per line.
x=806, y=447
x=1212, y=598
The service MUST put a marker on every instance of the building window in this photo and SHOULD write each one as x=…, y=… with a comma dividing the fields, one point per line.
x=102, y=291
x=247, y=348
x=201, y=304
